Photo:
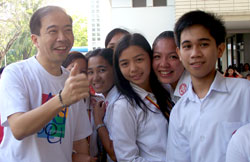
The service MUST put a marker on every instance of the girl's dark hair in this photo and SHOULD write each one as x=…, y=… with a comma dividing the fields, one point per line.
x=112, y=33
x=73, y=56
x=123, y=85
x=163, y=35
x=227, y=74
x=106, y=53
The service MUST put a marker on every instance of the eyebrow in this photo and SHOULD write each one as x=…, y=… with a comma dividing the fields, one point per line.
x=100, y=66
x=133, y=57
x=201, y=39
x=54, y=26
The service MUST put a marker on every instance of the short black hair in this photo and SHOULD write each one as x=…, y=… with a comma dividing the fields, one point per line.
x=112, y=33
x=210, y=21
x=73, y=55
x=35, y=21
x=106, y=53
x=163, y=35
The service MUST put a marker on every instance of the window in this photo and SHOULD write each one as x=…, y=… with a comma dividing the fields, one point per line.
x=160, y=3
x=139, y=3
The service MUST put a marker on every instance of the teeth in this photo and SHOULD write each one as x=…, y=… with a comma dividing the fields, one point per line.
x=164, y=72
x=61, y=48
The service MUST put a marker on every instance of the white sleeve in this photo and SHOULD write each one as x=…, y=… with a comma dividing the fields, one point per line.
x=124, y=132
x=235, y=153
x=178, y=149
x=13, y=93
x=83, y=127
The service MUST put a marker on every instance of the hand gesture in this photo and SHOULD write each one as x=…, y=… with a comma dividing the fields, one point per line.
x=76, y=87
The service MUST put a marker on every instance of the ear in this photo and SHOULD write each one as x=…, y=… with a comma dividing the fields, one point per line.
x=221, y=49
x=178, y=52
x=34, y=39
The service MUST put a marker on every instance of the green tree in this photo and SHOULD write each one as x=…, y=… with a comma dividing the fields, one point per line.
x=80, y=31
x=15, y=40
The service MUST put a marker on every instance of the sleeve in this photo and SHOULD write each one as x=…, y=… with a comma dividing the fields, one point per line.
x=235, y=153
x=83, y=128
x=178, y=149
x=13, y=94
x=124, y=132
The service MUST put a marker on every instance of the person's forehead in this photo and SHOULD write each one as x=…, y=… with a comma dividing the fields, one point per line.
x=54, y=17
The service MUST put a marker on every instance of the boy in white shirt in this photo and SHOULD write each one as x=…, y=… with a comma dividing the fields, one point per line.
x=204, y=119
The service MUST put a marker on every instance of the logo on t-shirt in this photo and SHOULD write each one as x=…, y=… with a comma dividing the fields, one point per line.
x=182, y=89
x=54, y=131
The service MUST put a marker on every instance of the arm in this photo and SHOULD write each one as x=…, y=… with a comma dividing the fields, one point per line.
x=99, y=111
x=81, y=149
x=76, y=88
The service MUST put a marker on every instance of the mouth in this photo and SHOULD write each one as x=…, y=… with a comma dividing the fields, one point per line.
x=165, y=73
x=97, y=85
x=137, y=76
x=61, y=49
x=197, y=64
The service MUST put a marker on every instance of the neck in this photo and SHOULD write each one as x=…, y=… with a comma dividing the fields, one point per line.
x=51, y=67
x=201, y=86
x=173, y=85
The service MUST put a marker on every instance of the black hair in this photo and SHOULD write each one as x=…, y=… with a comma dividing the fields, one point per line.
x=1, y=70
x=230, y=67
x=123, y=85
x=35, y=21
x=106, y=53
x=112, y=33
x=73, y=55
x=213, y=24
x=163, y=35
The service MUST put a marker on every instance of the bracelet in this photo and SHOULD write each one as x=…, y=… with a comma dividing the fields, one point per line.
x=99, y=126
x=60, y=98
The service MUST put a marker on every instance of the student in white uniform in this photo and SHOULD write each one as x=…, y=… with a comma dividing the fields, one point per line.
x=168, y=67
x=239, y=146
x=42, y=108
x=140, y=115
x=205, y=118
x=101, y=78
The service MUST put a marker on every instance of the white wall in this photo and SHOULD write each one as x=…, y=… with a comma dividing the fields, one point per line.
x=149, y=21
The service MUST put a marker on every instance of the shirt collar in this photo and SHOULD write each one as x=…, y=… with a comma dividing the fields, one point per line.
x=140, y=91
x=219, y=85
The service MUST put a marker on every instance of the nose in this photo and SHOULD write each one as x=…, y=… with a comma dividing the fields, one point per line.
x=133, y=67
x=164, y=62
x=61, y=36
x=96, y=76
x=196, y=52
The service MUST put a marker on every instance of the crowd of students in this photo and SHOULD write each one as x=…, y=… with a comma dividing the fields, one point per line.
x=127, y=101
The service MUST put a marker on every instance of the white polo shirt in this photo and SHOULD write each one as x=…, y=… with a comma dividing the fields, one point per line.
x=238, y=149
x=199, y=130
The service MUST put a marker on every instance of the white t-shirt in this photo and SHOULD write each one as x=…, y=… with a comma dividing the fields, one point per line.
x=199, y=130
x=137, y=137
x=238, y=149
x=25, y=86
x=181, y=87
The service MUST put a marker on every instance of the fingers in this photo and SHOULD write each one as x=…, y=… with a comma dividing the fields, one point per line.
x=74, y=71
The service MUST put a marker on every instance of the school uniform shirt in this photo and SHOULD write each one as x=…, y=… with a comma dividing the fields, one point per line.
x=181, y=87
x=138, y=136
x=109, y=101
x=238, y=149
x=200, y=129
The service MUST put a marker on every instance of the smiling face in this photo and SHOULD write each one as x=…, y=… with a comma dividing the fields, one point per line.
x=135, y=66
x=56, y=38
x=198, y=51
x=166, y=63
x=100, y=74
